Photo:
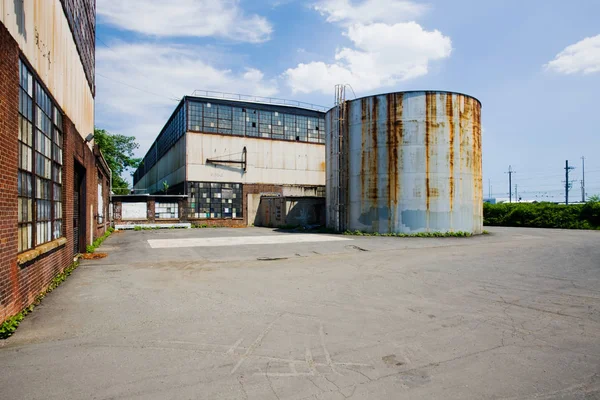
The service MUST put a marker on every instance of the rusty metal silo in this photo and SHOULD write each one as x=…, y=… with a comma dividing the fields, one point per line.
x=405, y=162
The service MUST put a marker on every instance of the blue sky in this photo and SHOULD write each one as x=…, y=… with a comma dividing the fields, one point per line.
x=534, y=64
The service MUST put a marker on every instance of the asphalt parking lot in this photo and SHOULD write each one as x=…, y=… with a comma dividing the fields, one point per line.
x=260, y=314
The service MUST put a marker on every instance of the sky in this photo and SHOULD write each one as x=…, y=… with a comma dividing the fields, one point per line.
x=534, y=65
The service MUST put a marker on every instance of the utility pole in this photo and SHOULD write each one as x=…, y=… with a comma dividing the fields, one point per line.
x=516, y=193
x=567, y=183
x=489, y=188
x=510, y=172
x=583, y=179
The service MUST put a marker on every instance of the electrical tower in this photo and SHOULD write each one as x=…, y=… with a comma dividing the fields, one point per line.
x=510, y=172
x=568, y=184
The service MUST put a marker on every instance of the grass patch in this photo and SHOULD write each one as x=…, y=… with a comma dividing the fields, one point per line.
x=204, y=226
x=90, y=248
x=412, y=235
x=9, y=326
x=138, y=228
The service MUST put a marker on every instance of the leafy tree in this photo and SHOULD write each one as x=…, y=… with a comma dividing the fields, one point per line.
x=594, y=199
x=118, y=152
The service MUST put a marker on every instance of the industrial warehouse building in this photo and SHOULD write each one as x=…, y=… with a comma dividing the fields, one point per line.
x=54, y=185
x=224, y=155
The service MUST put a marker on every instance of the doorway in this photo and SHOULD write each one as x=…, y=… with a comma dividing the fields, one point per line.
x=79, y=209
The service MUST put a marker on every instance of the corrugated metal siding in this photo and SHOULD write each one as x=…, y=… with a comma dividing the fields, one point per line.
x=411, y=162
x=42, y=31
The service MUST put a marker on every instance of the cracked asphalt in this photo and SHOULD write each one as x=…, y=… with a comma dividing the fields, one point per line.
x=215, y=314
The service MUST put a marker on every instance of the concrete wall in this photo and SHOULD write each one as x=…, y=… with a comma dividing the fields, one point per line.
x=269, y=161
x=42, y=33
x=170, y=168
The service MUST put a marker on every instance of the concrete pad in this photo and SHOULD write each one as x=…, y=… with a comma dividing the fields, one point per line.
x=511, y=315
x=243, y=240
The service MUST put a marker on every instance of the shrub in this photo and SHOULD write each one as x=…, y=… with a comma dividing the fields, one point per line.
x=543, y=215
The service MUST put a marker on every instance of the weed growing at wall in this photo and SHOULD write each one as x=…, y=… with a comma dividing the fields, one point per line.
x=90, y=248
x=9, y=326
x=412, y=235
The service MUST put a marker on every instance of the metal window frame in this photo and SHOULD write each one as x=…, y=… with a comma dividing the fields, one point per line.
x=36, y=85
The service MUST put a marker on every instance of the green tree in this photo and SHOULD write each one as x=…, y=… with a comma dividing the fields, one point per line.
x=118, y=152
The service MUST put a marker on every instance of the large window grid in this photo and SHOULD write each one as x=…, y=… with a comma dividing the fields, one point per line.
x=40, y=164
x=166, y=210
x=216, y=118
x=208, y=200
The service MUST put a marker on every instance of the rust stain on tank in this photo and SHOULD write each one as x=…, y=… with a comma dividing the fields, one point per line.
x=450, y=115
x=465, y=143
x=394, y=130
x=430, y=120
x=363, y=156
x=322, y=166
x=476, y=148
x=373, y=158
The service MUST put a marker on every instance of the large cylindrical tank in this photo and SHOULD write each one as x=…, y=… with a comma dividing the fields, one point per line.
x=405, y=162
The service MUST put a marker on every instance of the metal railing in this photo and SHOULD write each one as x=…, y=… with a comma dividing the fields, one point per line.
x=258, y=99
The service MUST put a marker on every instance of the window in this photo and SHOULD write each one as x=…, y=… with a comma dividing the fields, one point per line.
x=264, y=123
x=166, y=210
x=100, y=201
x=210, y=118
x=40, y=164
x=195, y=116
x=224, y=119
x=214, y=200
x=290, y=126
x=301, y=128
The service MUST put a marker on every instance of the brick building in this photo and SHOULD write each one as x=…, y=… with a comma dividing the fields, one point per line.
x=54, y=185
x=225, y=154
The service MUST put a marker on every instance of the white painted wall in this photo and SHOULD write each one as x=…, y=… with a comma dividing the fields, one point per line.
x=131, y=211
x=269, y=161
x=46, y=40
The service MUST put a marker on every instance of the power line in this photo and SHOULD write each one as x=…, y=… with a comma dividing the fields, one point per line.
x=137, y=88
x=138, y=70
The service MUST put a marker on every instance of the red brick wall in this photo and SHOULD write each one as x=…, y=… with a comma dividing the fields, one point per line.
x=9, y=103
x=20, y=284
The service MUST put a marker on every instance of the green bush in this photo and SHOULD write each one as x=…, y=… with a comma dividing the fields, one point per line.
x=543, y=215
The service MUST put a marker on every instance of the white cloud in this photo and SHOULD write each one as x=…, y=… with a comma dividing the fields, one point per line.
x=164, y=74
x=389, y=11
x=179, y=18
x=581, y=57
x=383, y=55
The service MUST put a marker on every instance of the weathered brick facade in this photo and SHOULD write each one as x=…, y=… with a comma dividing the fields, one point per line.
x=21, y=282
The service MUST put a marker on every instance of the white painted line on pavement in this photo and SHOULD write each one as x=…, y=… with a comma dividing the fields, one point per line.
x=243, y=240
